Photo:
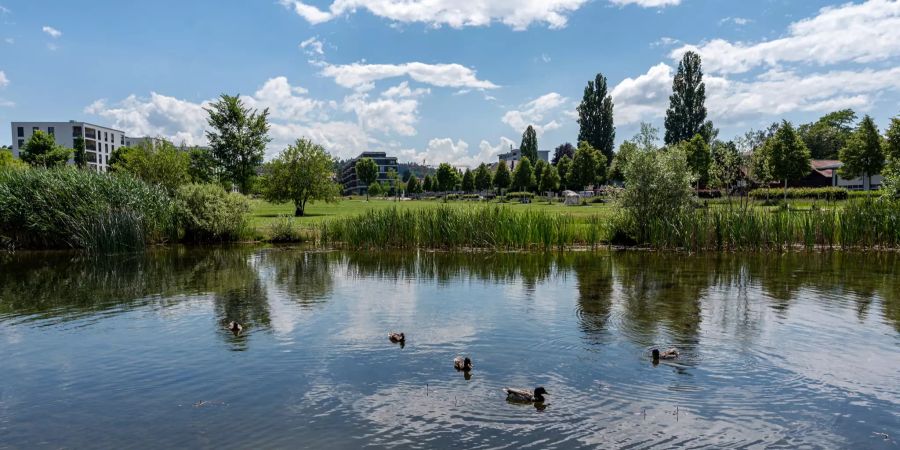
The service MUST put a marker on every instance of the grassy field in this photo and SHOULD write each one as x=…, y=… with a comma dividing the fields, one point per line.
x=264, y=213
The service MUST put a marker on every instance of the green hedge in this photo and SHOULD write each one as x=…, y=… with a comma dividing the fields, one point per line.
x=519, y=195
x=824, y=193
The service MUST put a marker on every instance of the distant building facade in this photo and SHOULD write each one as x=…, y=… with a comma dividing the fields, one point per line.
x=352, y=185
x=99, y=141
x=513, y=156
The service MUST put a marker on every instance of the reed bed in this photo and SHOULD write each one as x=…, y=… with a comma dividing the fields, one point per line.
x=447, y=227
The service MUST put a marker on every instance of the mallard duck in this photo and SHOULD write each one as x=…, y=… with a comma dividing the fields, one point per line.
x=235, y=327
x=397, y=337
x=523, y=396
x=671, y=353
x=463, y=364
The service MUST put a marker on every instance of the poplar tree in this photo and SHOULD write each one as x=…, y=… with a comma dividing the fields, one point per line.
x=529, y=146
x=595, y=118
x=502, y=178
x=686, y=115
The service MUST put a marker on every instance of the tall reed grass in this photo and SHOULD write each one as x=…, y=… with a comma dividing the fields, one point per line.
x=860, y=224
x=447, y=227
x=68, y=208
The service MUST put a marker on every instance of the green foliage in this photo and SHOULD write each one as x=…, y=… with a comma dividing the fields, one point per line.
x=566, y=149
x=207, y=213
x=78, y=153
x=428, y=183
x=68, y=208
x=237, y=138
x=657, y=187
x=523, y=175
x=686, y=114
x=299, y=174
x=447, y=177
x=413, y=186
x=156, y=163
x=549, y=181
x=587, y=167
x=539, y=171
x=468, y=181
x=41, y=150
x=285, y=229
x=823, y=193
x=375, y=189
x=483, y=179
x=617, y=168
x=511, y=196
x=891, y=172
x=366, y=172
x=725, y=166
x=595, y=118
x=502, y=178
x=529, y=146
x=828, y=135
x=564, y=167
x=7, y=160
x=698, y=158
x=783, y=157
x=863, y=154
x=449, y=227
x=201, y=166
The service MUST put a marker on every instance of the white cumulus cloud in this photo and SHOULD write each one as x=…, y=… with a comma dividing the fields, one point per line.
x=4, y=81
x=363, y=76
x=313, y=46
x=52, y=32
x=853, y=32
x=535, y=112
x=518, y=14
x=647, y=3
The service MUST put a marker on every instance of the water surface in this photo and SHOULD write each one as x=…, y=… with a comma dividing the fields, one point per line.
x=129, y=351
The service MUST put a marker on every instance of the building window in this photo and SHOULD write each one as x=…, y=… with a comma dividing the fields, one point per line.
x=76, y=131
x=21, y=143
x=105, y=136
x=35, y=129
x=107, y=148
x=114, y=148
x=51, y=131
x=20, y=131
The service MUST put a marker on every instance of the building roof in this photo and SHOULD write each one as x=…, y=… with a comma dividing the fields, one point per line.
x=825, y=167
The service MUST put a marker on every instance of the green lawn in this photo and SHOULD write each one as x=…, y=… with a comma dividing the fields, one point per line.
x=262, y=212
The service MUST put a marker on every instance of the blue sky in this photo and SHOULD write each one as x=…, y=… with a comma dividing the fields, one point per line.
x=439, y=80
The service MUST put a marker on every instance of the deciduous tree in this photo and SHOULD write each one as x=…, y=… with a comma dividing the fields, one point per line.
x=686, y=115
x=78, y=154
x=595, y=118
x=827, y=136
x=523, y=175
x=299, y=174
x=482, y=177
x=529, y=146
x=447, y=177
x=237, y=138
x=366, y=172
x=468, y=182
x=566, y=149
x=785, y=156
x=549, y=181
x=698, y=158
x=863, y=154
x=41, y=150
x=502, y=178
x=156, y=163
x=587, y=167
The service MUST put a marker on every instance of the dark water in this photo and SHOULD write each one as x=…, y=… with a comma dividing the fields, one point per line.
x=778, y=351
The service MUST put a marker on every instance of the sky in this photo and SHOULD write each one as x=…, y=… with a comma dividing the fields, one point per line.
x=439, y=80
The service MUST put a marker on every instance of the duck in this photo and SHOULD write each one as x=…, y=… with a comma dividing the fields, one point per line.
x=462, y=364
x=671, y=353
x=235, y=327
x=523, y=396
x=397, y=337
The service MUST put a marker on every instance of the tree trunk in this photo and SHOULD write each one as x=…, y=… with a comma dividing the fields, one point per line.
x=298, y=211
x=785, y=189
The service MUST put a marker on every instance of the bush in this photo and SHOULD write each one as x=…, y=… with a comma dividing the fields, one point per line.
x=284, y=229
x=824, y=193
x=206, y=212
x=865, y=194
x=519, y=196
x=70, y=208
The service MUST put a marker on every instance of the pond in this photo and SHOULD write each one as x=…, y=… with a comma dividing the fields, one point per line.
x=777, y=350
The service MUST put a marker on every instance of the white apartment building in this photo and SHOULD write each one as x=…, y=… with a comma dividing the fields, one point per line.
x=99, y=141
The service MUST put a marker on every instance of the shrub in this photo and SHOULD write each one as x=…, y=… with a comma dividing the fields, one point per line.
x=519, y=196
x=70, y=208
x=284, y=229
x=865, y=194
x=823, y=193
x=206, y=212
